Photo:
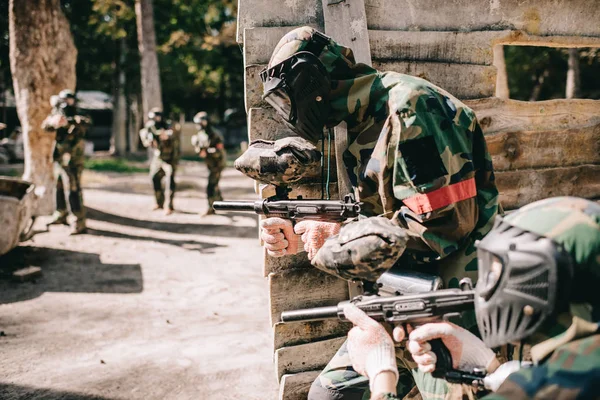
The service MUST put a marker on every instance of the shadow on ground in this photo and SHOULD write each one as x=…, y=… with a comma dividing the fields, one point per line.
x=194, y=228
x=202, y=247
x=18, y=392
x=65, y=271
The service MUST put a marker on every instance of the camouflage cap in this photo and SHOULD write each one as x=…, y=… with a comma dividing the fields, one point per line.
x=573, y=223
x=362, y=250
x=280, y=162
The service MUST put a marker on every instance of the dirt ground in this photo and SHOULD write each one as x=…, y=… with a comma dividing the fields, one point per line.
x=145, y=306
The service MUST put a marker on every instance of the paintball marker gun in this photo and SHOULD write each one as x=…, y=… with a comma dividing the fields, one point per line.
x=296, y=210
x=409, y=309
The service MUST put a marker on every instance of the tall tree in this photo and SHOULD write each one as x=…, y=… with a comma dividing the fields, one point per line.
x=42, y=61
x=151, y=91
x=573, y=89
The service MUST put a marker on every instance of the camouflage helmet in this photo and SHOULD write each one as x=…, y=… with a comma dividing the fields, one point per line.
x=202, y=115
x=533, y=264
x=66, y=94
x=155, y=112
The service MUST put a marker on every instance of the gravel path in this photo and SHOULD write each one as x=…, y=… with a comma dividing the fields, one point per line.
x=145, y=306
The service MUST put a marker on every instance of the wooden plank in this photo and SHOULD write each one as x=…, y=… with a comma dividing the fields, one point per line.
x=294, y=289
x=346, y=22
x=253, y=87
x=279, y=264
x=296, y=386
x=296, y=333
x=260, y=42
x=538, y=149
x=255, y=13
x=464, y=81
x=451, y=47
x=521, y=38
x=521, y=187
x=498, y=115
x=264, y=123
x=536, y=17
x=306, y=357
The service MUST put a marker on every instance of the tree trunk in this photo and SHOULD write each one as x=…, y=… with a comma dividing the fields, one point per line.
x=42, y=60
x=151, y=92
x=573, y=77
x=502, y=91
x=119, y=125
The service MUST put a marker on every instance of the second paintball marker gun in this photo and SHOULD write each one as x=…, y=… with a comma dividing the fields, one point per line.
x=409, y=309
x=296, y=210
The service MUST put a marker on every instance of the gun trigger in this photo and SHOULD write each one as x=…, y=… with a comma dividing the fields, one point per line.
x=446, y=317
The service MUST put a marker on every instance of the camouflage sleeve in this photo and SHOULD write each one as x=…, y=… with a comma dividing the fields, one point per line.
x=433, y=170
x=571, y=372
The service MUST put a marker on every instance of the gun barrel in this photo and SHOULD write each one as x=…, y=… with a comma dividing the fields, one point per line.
x=233, y=206
x=310, y=314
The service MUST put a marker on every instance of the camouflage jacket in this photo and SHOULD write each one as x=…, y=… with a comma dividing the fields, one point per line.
x=416, y=154
x=566, y=367
x=69, y=138
x=163, y=138
x=210, y=141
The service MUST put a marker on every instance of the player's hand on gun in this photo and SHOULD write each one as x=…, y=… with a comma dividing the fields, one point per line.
x=282, y=238
x=467, y=350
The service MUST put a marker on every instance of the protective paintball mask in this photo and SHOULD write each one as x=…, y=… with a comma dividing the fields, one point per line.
x=298, y=88
x=518, y=286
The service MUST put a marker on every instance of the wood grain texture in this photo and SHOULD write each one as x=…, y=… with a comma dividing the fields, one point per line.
x=450, y=47
x=538, y=149
x=498, y=115
x=296, y=386
x=306, y=357
x=464, y=81
x=303, y=288
x=254, y=87
x=261, y=13
x=279, y=264
x=521, y=187
x=296, y=333
x=536, y=17
x=260, y=42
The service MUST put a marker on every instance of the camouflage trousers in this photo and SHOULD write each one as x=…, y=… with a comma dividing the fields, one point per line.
x=213, y=193
x=340, y=381
x=68, y=186
x=160, y=169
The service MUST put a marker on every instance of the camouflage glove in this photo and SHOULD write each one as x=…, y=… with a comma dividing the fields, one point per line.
x=315, y=233
x=363, y=250
x=279, y=237
x=370, y=347
x=466, y=349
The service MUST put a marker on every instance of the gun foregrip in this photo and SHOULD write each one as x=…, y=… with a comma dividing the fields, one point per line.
x=444, y=359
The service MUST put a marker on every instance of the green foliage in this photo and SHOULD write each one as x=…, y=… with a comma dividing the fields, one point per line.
x=546, y=67
x=120, y=165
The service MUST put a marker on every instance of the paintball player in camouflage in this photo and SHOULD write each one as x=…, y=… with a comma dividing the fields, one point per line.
x=70, y=127
x=209, y=145
x=416, y=156
x=539, y=273
x=159, y=135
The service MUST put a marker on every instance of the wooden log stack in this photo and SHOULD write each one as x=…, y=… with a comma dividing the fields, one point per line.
x=539, y=149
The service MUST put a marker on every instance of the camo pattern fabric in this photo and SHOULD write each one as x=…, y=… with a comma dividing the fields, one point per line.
x=163, y=139
x=280, y=162
x=371, y=244
x=407, y=138
x=211, y=142
x=69, y=152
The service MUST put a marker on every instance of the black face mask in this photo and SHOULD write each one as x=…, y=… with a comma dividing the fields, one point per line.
x=517, y=289
x=298, y=88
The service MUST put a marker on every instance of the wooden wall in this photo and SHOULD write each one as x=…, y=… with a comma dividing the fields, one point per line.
x=539, y=149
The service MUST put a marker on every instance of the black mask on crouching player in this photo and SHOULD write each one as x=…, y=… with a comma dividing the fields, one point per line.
x=298, y=88
x=518, y=287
